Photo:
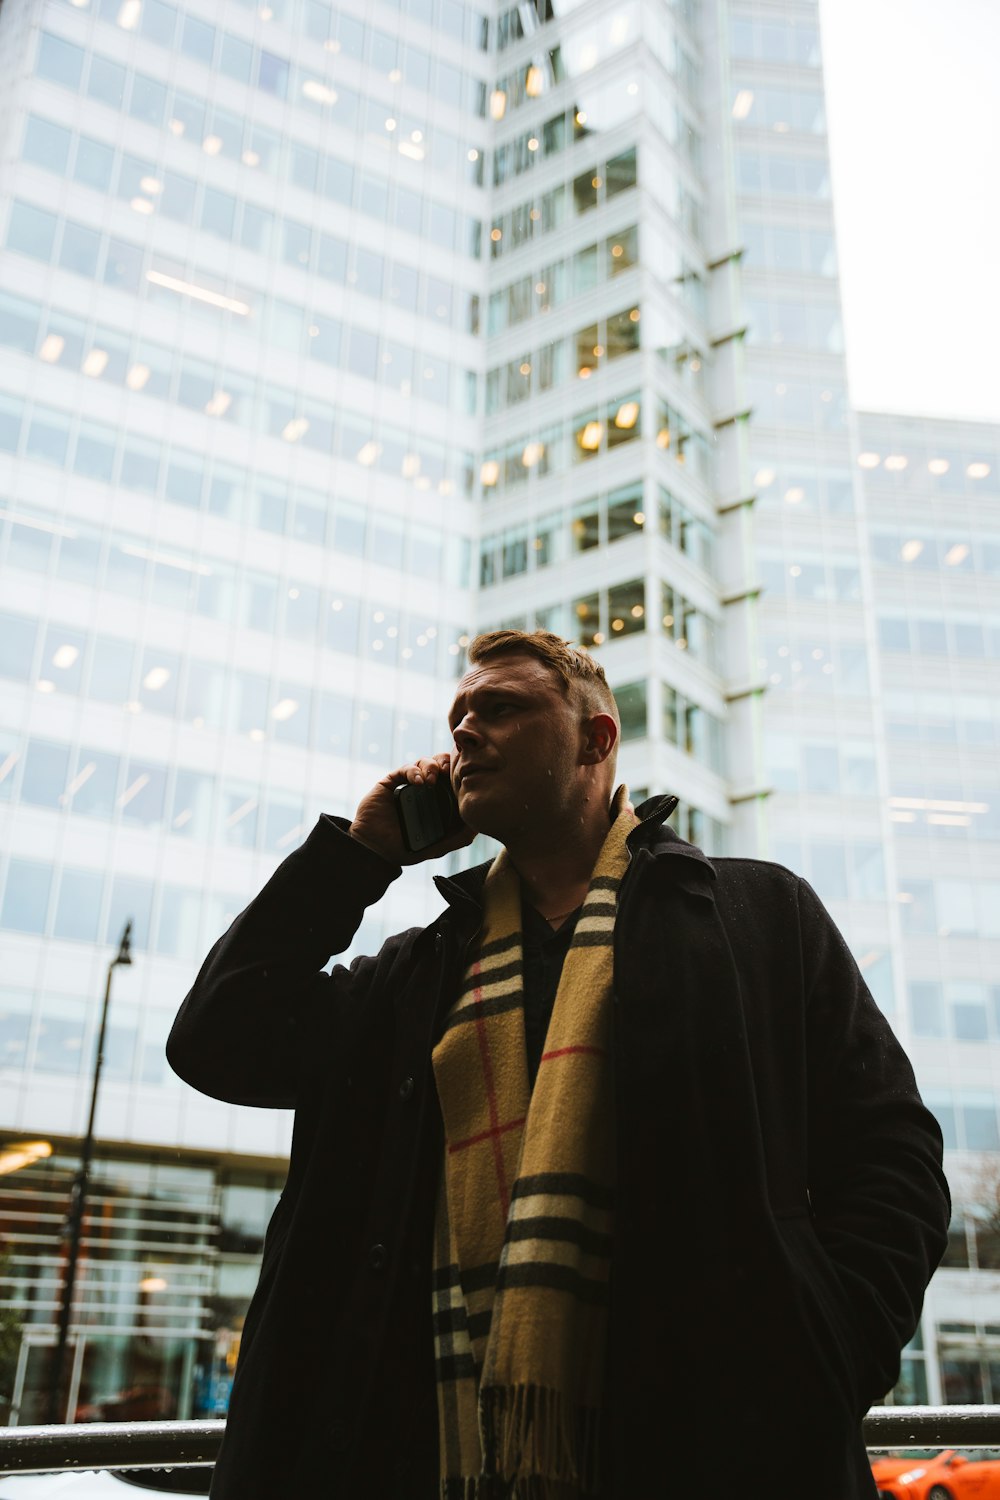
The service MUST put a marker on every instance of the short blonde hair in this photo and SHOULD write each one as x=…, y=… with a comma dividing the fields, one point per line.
x=578, y=671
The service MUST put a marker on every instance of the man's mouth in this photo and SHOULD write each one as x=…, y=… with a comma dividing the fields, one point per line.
x=467, y=771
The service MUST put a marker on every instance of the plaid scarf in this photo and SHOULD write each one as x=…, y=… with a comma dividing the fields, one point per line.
x=523, y=1226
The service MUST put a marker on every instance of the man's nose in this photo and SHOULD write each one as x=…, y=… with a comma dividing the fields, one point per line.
x=465, y=734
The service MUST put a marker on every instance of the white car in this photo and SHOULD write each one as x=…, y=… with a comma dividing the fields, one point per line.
x=100, y=1484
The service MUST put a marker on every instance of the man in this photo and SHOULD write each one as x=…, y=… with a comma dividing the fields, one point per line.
x=613, y=1181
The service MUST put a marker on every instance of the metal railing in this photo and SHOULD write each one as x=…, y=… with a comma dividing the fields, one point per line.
x=157, y=1445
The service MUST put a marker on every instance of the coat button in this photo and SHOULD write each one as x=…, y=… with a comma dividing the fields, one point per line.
x=438, y=943
x=406, y=1089
x=378, y=1256
x=338, y=1434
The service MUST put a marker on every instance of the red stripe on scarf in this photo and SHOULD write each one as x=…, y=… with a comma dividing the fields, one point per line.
x=565, y=1051
x=495, y=1129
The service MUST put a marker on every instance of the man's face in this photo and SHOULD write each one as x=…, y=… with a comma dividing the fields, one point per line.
x=517, y=739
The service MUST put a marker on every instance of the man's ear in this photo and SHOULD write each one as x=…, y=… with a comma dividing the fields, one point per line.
x=600, y=736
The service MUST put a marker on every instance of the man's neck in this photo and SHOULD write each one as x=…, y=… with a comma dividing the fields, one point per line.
x=555, y=872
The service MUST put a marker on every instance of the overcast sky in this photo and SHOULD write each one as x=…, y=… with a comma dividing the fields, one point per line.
x=914, y=113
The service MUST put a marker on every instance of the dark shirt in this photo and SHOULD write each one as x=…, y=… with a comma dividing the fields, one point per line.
x=545, y=948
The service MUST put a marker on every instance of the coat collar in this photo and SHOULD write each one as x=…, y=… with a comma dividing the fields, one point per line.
x=652, y=839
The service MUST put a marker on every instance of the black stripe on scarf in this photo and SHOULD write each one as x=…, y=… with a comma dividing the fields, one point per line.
x=494, y=1007
x=564, y=1184
x=556, y=1278
x=570, y=1231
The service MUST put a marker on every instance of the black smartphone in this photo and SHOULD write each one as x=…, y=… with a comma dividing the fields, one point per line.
x=427, y=812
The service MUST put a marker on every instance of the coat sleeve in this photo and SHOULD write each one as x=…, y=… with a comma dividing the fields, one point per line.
x=879, y=1197
x=262, y=997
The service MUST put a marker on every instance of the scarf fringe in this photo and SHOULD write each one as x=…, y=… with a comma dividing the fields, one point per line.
x=532, y=1434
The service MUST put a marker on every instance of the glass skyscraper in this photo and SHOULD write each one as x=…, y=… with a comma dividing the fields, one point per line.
x=329, y=336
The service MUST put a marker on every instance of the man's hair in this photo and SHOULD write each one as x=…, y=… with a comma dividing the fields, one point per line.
x=576, y=669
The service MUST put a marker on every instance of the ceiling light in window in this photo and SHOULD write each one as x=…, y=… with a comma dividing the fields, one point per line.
x=395, y=74
x=266, y=13
x=978, y=471
x=588, y=57
x=581, y=117
x=293, y=430
x=540, y=288
x=65, y=656
x=782, y=127
x=589, y=436
x=128, y=16
x=293, y=593
x=43, y=685
x=896, y=463
x=133, y=790
x=52, y=347
x=151, y=185
x=956, y=554
x=239, y=813
x=532, y=454
x=795, y=494
x=96, y=363
x=496, y=235
x=535, y=215
x=257, y=735
x=416, y=135
x=534, y=82
x=422, y=482
x=533, y=143
x=663, y=438
x=633, y=88
x=939, y=466
x=489, y=473
x=696, y=365
x=498, y=104
x=415, y=153
x=212, y=145
x=251, y=159
x=411, y=465
x=331, y=44
x=319, y=93
x=627, y=415
x=219, y=404
x=368, y=453
x=176, y=127
x=390, y=124
x=596, y=182
x=742, y=104
x=911, y=550
x=618, y=624
x=639, y=519
x=142, y=205
x=795, y=570
x=473, y=154
x=869, y=460
x=200, y=293
x=79, y=780
x=153, y=1284
x=598, y=351
x=156, y=678
x=634, y=315
x=285, y=708
x=183, y=817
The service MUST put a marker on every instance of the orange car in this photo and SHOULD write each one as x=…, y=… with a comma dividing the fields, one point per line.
x=950, y=1474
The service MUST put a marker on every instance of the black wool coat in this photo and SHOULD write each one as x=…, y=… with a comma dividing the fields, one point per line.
x=780, y=1204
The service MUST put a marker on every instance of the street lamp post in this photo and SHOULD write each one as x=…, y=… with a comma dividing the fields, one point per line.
x=73, y=1228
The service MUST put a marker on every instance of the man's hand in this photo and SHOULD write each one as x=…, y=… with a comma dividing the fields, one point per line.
x=376, y=822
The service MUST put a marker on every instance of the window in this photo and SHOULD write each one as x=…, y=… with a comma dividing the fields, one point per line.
x=26, y=897
x=59, y=61
x=31, y=231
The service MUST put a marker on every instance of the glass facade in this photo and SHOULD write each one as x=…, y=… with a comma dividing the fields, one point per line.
x=331, y=335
